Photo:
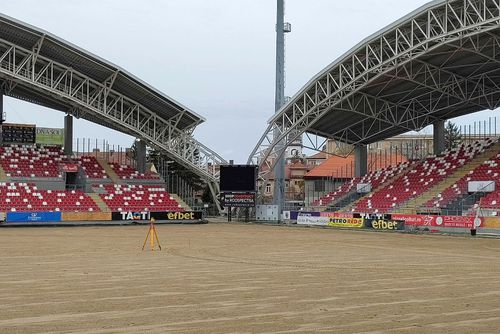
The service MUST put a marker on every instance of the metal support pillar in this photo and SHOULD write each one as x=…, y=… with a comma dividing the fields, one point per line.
x=1, y=106
x=2, y=116
x=140, y=155
x=438, y=136
x=68, y=135
x=214, y=191
x=360, y=160
x=279, y=169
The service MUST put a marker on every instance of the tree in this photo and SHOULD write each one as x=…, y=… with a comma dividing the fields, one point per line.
x=207, y=196
x=452, y=136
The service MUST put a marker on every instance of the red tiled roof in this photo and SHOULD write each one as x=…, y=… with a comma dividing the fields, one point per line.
x=340, y=167
x=289, y=168
x=319, y=155
x=298, y=165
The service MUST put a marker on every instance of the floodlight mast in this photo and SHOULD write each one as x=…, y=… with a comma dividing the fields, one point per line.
x=279, y=169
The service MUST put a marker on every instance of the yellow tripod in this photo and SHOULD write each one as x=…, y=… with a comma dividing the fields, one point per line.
x=152, y=235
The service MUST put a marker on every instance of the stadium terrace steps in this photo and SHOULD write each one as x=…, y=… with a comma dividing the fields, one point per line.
x=179, y=200
x=137, y=198
x=387, y=183
x=31, y=161
x=3, y=175
x=99, y=202
x=128, y=173
x=111, y=173
x=411, y=206
x=423, y=176
x=381, y=186
x=340, y=199
x=27, y=197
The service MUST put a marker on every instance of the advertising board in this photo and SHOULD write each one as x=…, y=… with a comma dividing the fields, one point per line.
x=69, y=168
x=50, y=136
x=384, y=224
x=481, y=186
x=347, y=222
x=363, y=188
x=312, y=220
x=237, y=200
x=440, y=221
x=295, y=214
x=166, y=215
x=337, y=214
x=33, y=217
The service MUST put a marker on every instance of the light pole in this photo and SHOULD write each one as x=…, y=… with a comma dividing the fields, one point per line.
x=282, y=27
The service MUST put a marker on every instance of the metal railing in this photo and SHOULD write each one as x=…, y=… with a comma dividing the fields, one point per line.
x=460, y=206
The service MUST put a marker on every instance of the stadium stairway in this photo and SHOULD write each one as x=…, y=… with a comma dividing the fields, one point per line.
x=99, y=202
x=3, y=175
x=350, y=206
x=412, y=206
x=338, y=203
x=111, y=173
x=181, y=202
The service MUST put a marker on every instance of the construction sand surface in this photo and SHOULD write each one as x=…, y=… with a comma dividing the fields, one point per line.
x=221, y=278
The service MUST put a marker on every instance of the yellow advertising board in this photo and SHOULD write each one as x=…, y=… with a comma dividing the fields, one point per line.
x=347, y=222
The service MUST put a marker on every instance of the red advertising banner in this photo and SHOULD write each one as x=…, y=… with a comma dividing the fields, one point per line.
x=336, y=214
x=69, y=168
x=440, y=221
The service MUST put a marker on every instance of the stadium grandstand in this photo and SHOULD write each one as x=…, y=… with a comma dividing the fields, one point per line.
x=435, y=64
x=39, y=174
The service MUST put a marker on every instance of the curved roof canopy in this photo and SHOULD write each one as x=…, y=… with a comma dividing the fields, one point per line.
x=439, y=62
x=41, y=68
x=66, y=54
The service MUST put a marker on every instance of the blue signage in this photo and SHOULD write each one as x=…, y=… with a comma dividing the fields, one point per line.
x=33, y=217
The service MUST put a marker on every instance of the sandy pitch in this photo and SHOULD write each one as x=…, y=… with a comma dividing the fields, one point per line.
x=221, y=278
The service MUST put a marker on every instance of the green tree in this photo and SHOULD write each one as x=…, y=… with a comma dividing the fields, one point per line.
x=452, y=136
x=207, y=196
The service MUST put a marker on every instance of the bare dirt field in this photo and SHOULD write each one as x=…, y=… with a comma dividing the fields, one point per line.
x=221, y=278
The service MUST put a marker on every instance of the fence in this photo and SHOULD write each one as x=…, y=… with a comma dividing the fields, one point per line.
x=103, y=149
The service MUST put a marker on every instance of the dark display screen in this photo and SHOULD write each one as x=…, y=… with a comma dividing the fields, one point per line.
x=238, y=178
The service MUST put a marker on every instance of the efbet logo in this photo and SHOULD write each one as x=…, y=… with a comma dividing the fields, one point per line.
x=180, y=216
x=135, y=215
x=386, y=225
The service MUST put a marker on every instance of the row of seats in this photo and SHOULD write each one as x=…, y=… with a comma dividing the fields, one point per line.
x=26, y=197
x=488, y=171
x=128, y=172
x=421, y=178
x=38, y=161
x=91, y=167
x=375, y=178
x=137, y=197
x=491, y=171
x=31, y=160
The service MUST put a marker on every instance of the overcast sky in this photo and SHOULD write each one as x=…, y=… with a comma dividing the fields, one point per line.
x=216, y=57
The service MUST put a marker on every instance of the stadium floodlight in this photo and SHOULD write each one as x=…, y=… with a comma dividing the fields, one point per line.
x=287, y=27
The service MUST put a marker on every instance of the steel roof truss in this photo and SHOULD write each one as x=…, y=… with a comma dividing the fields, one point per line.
x=98, y=100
